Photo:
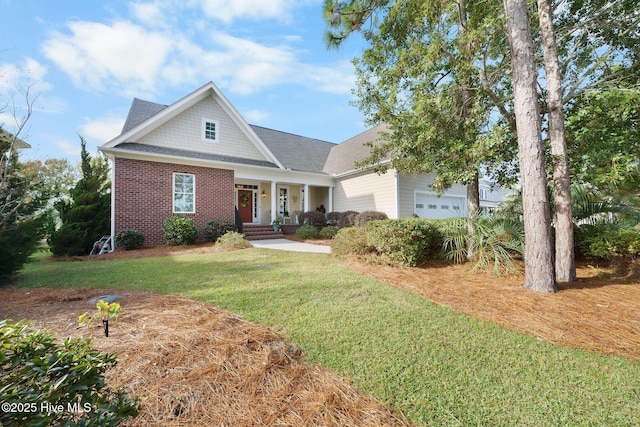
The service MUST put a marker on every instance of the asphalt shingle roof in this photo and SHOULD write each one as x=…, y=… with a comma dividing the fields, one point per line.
x=139, y=112
x=343, y=157
x=146, y=148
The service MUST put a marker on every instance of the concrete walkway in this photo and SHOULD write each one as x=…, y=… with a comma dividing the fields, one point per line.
x=290, y=245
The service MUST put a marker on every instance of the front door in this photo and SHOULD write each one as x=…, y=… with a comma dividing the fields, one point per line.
x=245, y=205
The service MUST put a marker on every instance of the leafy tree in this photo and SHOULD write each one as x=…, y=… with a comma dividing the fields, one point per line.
x=86, y=217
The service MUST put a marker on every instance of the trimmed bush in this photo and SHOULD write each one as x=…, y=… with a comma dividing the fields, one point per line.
x=314, y=218
x=36, y=369
x=351, y=241
x=333, y=218
x=213, y=230
x=329, y=232
x=347, y=219
x=179, y=230
x=364, y=217
x=129, y=239
x=405, y=241
x=233, y=240
x=307, y=232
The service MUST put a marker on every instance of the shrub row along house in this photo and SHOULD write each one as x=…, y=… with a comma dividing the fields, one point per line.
x=198, y=157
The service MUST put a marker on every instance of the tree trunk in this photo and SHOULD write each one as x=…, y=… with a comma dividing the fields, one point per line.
x=565, y=257
x=539, y=269
x=473, y=207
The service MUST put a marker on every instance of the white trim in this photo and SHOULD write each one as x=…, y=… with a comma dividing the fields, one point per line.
x=255, y=200
x=113, y=204
x=216, y=131
x=173, y=193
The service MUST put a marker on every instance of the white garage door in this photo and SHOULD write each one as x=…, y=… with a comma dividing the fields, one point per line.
x=434, y=207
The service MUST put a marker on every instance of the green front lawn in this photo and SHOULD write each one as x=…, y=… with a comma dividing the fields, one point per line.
x=437, y=366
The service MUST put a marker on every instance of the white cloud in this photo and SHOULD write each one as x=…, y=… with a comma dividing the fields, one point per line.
x=102, y=130
x=66, y=147
x=256, y=10
x=256, y=116
x=95, y=54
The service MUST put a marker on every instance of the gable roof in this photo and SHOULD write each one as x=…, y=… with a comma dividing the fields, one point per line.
x=137, y=126
x=343, y=157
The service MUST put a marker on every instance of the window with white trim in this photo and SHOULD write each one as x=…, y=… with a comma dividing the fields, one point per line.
x=210, y=130
x=184, y=193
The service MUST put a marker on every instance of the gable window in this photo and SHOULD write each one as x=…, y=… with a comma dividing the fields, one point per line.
x=184, y=193
x=210, y=130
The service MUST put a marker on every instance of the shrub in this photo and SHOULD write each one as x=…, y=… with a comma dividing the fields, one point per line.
x=608, y=241
x=351, y=241
x=314, y=218
x=364, y=217
x=233, y=240
x=179, y=230
x=35, y=369
x=213, y=230
x=329, y=232
x=129, y=239
x=405, y=241
x=307, y=232
x=333, y=218
x=495, y=242
x=347, y=219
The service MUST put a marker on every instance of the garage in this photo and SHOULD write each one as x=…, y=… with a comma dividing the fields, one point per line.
x=429, y=205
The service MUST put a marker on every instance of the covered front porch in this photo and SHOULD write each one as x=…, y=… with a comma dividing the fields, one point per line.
x=262, y=202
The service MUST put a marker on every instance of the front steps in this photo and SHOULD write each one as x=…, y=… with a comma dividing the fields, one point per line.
x=260, y=232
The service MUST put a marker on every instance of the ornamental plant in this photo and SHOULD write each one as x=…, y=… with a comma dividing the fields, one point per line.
x=214, y=229
x=106, y=311
x=36, y=371
x=129, y=239
x=179, y=230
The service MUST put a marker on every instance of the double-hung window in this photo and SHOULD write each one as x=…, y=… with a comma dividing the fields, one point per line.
x=184, y=193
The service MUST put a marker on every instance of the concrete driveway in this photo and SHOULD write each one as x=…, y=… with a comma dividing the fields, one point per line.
x=290, y=245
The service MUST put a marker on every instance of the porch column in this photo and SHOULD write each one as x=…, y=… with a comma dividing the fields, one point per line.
x=274, y=200
x=306, y=197
x=330, y=207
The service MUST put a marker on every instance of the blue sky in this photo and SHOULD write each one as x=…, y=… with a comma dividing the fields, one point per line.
x=85, y=61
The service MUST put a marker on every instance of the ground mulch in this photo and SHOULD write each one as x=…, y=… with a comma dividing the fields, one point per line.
x=194, y=364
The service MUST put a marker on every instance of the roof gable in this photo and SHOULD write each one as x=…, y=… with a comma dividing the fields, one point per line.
x=145, y=117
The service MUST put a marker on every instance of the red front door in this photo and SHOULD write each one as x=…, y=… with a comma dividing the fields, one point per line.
x=245, y=205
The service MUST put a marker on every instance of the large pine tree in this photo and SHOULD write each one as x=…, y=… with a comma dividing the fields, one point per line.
x=86, y=217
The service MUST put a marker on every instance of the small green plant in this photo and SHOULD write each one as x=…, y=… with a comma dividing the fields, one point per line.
x=105, y=311
x=406, y=241
x=68, y=377
x=233, y=240
x=179, y=230
x=329, y=232
x=307, y=231
x=129, y=239
x=351, y=241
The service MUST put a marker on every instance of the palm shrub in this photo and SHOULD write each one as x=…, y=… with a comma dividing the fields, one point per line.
x=179, y=230
x=495, y=242
x=36, y=369
x=129, y=239
x=407, y=241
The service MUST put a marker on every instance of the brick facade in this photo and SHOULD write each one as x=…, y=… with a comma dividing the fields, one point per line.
x=143, y=196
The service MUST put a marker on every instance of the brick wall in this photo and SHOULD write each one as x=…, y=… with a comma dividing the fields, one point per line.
x=143, y=196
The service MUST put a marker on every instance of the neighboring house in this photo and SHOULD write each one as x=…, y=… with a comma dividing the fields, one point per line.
x=200, y=158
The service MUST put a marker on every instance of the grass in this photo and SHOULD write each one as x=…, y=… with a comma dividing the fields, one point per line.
x=437, y=366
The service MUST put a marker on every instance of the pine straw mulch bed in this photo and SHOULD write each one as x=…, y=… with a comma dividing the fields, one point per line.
x=600, y=311
x=192, y=364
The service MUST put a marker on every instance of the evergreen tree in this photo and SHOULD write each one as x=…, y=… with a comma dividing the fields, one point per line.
x=23, y=218
x=86, y=217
